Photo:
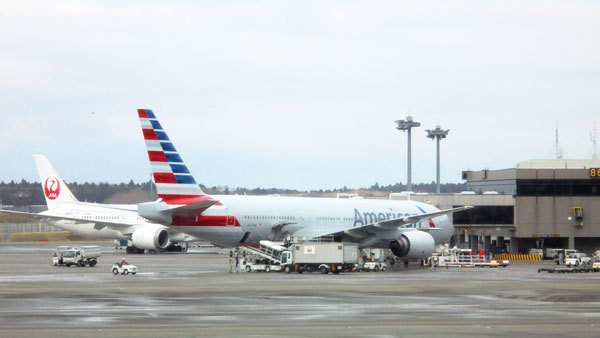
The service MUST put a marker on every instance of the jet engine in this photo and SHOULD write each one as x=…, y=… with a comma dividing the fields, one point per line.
x=151, y=238
x=413, y=245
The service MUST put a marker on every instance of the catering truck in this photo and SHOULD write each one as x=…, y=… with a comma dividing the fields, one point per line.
x=324, y=257
x=301, y=256
x=81, y=256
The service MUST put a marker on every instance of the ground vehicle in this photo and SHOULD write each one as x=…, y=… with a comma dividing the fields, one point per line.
x=57, y=255
x=456, y=257
x=80, y=256
x=560, y=255
x=324, y=257
x=577, y=259
x=375, y=266
x=300, y=256
x=264, y=264
x=124, y=268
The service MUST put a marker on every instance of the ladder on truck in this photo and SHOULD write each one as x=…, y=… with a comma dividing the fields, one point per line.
x=268, y=249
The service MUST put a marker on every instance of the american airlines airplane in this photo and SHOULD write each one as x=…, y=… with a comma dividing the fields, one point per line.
x=410, y=229
x=108, y=221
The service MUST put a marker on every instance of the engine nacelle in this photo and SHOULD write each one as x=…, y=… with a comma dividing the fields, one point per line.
x=151, y=238
x=413, y=245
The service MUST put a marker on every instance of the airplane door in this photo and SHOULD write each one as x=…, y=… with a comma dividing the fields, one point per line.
x=230, y=221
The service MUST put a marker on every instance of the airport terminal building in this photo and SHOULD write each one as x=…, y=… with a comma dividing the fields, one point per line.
x=539, y=204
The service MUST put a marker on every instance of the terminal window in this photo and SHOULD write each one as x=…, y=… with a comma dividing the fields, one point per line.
x=486, y=215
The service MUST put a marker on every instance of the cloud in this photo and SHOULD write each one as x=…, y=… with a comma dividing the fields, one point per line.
x=299, y=95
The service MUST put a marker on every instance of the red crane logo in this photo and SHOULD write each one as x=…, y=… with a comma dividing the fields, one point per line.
x=52, y=188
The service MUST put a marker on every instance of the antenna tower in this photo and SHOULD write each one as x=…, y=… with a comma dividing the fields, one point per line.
x=559, y=151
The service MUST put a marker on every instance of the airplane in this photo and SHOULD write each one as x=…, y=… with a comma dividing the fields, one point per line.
x=410, y=229
x=106, y=221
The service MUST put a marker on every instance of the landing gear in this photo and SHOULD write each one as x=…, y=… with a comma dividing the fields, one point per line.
x=134, y=250
x=175, y=247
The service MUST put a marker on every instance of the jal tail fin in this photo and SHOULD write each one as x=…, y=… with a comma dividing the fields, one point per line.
x=173, y=180
x=55, y=190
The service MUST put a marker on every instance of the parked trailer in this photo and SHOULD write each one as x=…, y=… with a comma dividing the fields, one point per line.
x=464, y=258
x=570, y=270
x=81, y=256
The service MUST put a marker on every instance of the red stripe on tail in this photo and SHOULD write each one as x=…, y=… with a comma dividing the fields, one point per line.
x=149, y=134
x=164, y=178
x=157, y=156
x=142, y=113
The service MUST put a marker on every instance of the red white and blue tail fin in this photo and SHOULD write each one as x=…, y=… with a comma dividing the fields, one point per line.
x=174, y=182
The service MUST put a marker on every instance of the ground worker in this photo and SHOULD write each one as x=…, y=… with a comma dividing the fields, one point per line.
x=230, y=265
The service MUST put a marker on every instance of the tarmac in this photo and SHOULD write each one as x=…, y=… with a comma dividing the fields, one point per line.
x=193, y=294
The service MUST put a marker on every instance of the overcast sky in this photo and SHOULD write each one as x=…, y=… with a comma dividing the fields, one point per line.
x=296, y=94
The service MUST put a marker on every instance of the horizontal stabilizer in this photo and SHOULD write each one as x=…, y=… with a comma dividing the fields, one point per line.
x=196, y=207
x=161, y=212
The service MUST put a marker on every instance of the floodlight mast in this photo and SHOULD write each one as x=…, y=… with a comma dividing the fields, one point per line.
x=406, y=126
x=438, y=133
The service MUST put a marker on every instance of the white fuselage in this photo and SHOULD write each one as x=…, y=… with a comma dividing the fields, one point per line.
x=96, y=214
x=124, y=221
x=252, y=218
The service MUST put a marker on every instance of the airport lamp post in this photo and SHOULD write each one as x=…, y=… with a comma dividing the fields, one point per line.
x=438, y=133
x=406, y=126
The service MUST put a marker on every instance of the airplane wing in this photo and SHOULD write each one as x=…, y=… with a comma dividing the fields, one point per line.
x=44, y=217
x=369, y=230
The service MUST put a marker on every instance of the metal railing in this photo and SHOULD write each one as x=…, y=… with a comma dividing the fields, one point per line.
x=9, y=228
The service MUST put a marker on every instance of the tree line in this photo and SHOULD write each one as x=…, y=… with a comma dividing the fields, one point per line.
x=30, y=193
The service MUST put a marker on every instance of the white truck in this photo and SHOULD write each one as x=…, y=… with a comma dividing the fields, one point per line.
x=577, y=259
x=57, y=258
x=560, y=255
x=261, y=264
x=81, y=256
x=301, y=256
x=324, y=257
x=374, y=266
